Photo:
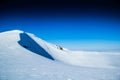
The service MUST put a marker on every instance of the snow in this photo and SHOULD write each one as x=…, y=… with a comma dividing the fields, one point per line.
x=33, y=62
x=81, y=58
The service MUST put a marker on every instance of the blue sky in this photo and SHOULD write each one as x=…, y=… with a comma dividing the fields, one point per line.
x=72, y=32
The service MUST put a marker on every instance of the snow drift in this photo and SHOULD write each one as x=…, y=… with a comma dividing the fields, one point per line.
x=26, y=57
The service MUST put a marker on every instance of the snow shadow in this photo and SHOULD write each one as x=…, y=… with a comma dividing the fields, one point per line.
x=28, y=43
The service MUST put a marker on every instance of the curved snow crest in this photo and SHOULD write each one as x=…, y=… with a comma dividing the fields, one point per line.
x=13, y=31
x=81, y=58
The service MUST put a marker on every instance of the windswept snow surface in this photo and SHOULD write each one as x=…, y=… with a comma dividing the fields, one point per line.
x=31, y=58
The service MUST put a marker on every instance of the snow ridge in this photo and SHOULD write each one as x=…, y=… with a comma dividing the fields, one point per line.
x=24, y=56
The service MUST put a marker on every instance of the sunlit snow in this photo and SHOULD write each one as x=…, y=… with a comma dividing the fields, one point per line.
x=24, y=56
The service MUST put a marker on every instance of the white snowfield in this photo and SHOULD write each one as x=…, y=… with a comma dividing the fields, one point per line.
x=26, y=57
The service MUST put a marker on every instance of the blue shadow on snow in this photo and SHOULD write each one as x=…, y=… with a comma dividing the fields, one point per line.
x=27, y=42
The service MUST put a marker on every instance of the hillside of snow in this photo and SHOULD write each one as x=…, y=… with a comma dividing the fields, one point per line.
x=24, y=56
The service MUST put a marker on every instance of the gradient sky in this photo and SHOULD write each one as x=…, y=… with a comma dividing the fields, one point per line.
x=68, y=25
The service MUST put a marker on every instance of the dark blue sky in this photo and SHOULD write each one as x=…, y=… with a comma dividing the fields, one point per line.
x=69, y=25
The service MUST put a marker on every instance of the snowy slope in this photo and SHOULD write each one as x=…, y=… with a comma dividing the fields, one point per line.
x=81, y=58
x=26, y=57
